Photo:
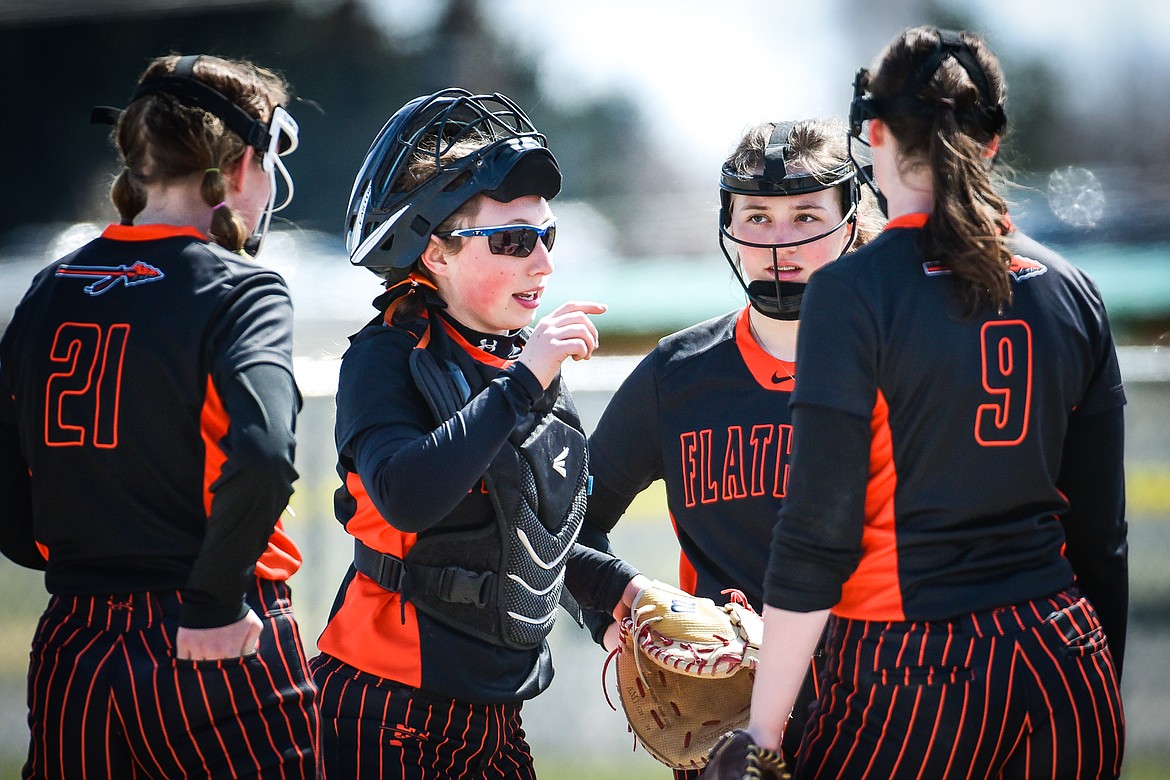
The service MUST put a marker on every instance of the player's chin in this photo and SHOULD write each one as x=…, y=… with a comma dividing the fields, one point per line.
x=520, y=317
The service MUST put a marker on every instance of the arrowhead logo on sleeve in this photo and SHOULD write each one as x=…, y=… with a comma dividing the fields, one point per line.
x=106, y=276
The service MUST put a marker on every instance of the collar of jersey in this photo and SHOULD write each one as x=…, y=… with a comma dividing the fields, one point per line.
x=764, y=367
x=913, y=220
x=475, y=352
x=918, y=219
x=150, y=232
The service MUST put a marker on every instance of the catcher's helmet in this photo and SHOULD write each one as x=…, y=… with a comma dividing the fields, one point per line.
x=781, y=300
x=388, y=222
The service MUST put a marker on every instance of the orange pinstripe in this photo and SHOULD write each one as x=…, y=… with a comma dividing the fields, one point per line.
x=422, y=735
x=1050, y=705
x=121, y=706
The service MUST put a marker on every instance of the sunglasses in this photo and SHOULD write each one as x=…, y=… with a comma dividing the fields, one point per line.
x=511, y=240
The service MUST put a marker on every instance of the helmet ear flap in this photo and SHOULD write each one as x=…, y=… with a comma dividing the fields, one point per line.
x=724, y=208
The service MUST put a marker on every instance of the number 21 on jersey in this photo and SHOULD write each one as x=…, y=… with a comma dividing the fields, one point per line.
x=82, y=397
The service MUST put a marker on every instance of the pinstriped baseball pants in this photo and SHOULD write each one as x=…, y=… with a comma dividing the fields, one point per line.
x=377, y=728
x=1027, y=691
x=108, y=699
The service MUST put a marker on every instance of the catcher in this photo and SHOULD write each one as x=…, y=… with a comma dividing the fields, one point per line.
x=707, y=410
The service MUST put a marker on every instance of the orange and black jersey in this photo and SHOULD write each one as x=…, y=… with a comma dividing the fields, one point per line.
x=404, y=476
x=947, y=463
x=146, y=385
x=707, y=412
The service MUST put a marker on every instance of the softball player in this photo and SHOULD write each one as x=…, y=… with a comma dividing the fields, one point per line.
x=147, y=408
x=955, y=505
x=790, y=204
x=463, y=464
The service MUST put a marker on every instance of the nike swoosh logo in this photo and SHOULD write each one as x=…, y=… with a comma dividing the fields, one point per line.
x=777, y=379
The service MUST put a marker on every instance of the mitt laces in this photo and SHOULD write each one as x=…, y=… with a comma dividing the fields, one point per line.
x=623, y=635
x=735, y=595
x=624, y=628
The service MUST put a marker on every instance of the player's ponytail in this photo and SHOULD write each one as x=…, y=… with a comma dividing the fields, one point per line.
x=227, y=229
x=127, y=196
x=954, y=132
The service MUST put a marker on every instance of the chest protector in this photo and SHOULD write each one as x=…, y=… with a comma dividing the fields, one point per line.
x=501, y=583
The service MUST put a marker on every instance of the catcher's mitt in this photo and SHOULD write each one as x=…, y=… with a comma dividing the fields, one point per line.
x=737, y=757
x=685, y=670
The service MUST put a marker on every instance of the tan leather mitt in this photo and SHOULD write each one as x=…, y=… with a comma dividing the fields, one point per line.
x=685, y=671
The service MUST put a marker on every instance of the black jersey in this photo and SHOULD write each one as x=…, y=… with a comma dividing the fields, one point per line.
x=707, y=412
x=119, y=374
x=967, y=417
x=402, y=476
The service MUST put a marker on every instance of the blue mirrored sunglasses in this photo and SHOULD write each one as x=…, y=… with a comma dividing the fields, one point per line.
x=516, y=240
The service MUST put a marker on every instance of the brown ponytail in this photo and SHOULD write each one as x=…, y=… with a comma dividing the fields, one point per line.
x=968, y=222
x=227, y=229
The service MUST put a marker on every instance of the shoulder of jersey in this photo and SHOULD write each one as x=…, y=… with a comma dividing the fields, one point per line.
x=681, y=346
x=879, y=243
x=236, y=264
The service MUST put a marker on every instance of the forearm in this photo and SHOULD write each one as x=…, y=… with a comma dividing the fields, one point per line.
x=597, y=579
x=790, y=638
x=449, y=460
x=248, y=496
x=1093, y=481
x=17, y=542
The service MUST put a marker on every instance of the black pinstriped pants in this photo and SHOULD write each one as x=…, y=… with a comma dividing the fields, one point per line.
x=1027, y=691
x=108, y=699
x=377, y=728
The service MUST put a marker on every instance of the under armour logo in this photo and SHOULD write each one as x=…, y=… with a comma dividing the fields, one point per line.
x=488, y=345
x=558, y=464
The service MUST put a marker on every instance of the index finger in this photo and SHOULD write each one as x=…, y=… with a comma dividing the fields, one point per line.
x=585, y=307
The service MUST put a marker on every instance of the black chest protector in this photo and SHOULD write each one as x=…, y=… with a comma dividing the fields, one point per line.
x=500, y=583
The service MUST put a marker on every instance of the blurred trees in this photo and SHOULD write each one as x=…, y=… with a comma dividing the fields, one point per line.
x=348, y=78
x=350, y=75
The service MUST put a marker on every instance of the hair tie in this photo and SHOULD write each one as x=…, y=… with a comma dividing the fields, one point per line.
x=219, y=205
x=209, y=170
x=945, y=103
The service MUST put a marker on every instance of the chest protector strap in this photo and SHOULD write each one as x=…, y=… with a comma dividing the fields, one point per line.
x=502, y=582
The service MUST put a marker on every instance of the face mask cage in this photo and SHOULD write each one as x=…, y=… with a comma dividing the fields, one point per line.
x=387, y=228
x=276, y=139
x=283, y=139
x=777, y=299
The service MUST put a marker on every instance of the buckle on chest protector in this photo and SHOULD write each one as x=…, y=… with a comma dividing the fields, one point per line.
x=382, y=568
x=460, y=586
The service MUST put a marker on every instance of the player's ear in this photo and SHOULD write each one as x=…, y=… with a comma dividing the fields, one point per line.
x=235, y=172
x=434, y=257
